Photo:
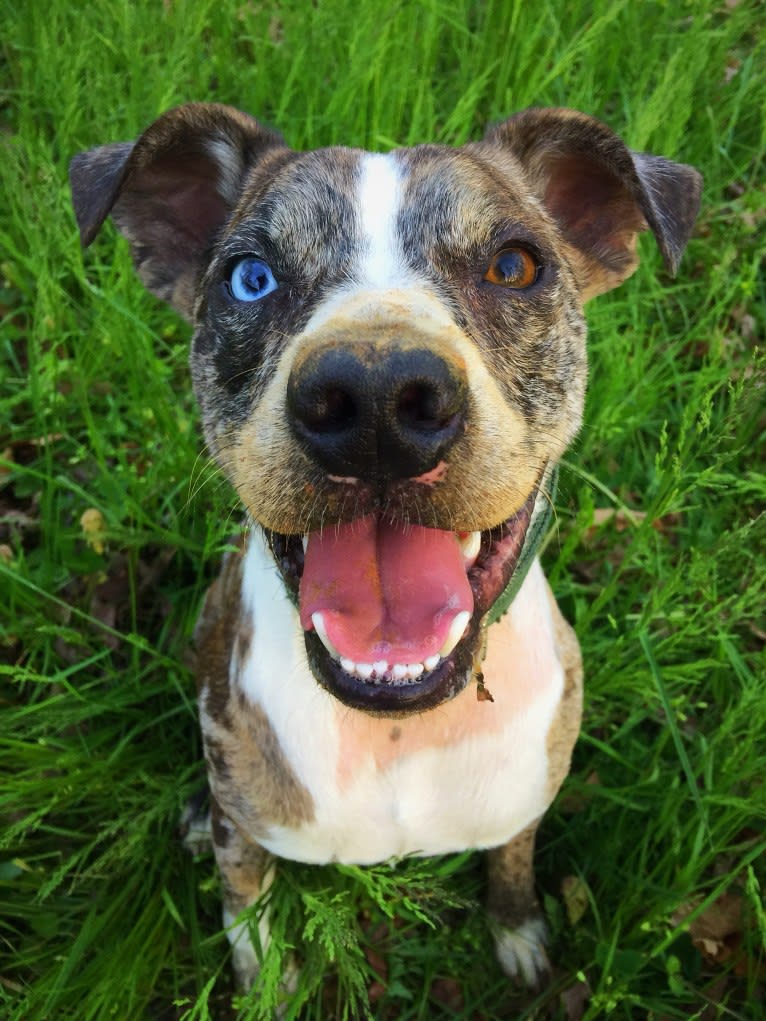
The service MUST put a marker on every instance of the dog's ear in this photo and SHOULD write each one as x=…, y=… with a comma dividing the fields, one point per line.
x=171, y=191
x=599, y=192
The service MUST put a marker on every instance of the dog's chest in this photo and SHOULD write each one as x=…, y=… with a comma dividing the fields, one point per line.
x=467, y=774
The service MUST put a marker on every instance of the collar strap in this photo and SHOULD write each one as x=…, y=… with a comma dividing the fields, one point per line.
x=536, y=531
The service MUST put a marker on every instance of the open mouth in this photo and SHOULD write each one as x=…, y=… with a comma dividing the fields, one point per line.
x=392, y=613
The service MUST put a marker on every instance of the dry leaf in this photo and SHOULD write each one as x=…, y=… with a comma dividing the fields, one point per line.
x=574, y=1000
x=622, y=519
x=575, y=894
x=447, y=991
x=576, y=801
x=93, y=526
x=375, y=991
x=5, y=469
x=717, y=931
x=377, y=962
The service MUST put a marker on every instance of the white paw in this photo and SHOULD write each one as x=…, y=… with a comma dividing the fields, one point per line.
x=246, y=962
x=521, y=952
x=244, y=958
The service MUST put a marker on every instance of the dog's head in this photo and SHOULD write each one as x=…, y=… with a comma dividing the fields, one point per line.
x=389, y=352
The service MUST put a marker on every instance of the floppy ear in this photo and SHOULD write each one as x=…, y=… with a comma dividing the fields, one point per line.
x=171, y=191
x=600, y=193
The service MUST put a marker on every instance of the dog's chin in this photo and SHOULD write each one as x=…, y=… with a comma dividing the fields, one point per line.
x=386, y=690
x=389, y=697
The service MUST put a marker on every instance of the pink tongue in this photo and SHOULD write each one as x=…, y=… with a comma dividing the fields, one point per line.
x=385, y=592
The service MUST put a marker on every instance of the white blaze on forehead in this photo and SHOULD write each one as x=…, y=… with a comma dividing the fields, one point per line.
x=379, y=198
x=378, y=265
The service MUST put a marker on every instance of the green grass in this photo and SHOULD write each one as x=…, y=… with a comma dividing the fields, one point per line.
x=102, y=914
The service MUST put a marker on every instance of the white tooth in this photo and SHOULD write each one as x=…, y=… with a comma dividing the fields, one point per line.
x=305, y=541
x=414, y=670
x=380, y=667
x=348, y=665
x=399, y=671
x=471, y=545
x=364, y=670
x=456, y=631
x=432, y=662
x=318, y=621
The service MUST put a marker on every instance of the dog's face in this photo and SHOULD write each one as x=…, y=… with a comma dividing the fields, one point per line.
x=389, y=353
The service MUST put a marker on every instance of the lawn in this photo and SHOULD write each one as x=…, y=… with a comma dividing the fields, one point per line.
x=112, y=522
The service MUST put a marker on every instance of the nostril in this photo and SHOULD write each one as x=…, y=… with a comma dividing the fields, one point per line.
x=425, y=407
x=421, y=406
x=327, y=409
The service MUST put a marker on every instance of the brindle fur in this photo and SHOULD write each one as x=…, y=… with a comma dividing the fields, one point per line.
x=511, y=899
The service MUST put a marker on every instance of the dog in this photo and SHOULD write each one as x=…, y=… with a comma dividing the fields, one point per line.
x=389, y=358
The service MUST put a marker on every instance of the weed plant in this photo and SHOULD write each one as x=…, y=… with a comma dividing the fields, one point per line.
x=651, y=863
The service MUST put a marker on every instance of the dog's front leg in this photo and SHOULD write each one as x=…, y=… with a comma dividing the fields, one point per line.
x=246, y=872
x=519, y=927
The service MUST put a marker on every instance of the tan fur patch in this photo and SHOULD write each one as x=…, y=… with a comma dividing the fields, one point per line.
x=566, y=724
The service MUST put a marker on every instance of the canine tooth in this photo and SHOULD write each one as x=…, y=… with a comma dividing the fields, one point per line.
x=455, y=633
x=348, y=665
x=380, y=667
x=364, y=670
x=470, y=545
x=318, y=621
x=305, y=542
x=432, y=662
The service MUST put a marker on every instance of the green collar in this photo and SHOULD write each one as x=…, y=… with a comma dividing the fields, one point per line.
x=536, y=530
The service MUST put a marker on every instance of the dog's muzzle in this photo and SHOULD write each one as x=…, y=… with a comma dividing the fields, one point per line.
x=393, y=612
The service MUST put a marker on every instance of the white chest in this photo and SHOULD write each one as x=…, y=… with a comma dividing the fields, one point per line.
x=467, y=774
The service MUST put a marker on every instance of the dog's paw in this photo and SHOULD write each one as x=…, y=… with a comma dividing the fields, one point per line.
x=521, y=952
x=196, y=829
x=247, y=963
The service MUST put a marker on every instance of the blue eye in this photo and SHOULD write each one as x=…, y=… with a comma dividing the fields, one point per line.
x=251, y=280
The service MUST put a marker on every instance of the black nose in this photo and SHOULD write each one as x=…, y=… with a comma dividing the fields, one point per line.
x=377, y=415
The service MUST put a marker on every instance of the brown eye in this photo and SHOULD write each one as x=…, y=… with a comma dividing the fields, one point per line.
x=512, y=267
